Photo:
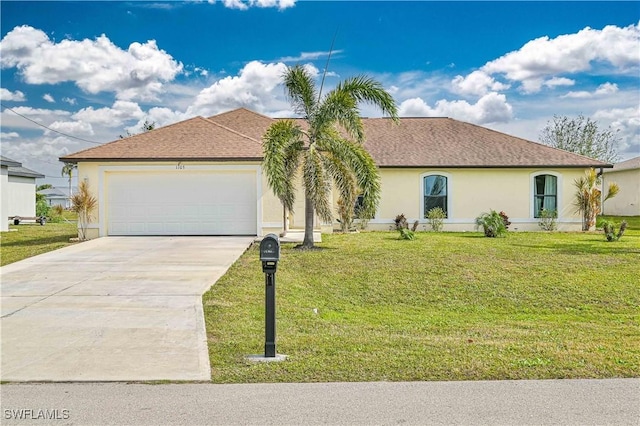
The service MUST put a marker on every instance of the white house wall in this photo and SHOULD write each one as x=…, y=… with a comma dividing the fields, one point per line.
x=4, y=199
x=22, y=196
x=627, y=202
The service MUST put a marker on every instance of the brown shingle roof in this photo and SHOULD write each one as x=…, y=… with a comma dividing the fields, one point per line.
x=415, y=142
x=445, y=142
x=193, y=139
x=633, y=163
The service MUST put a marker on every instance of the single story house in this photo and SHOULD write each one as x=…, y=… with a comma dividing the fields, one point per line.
x=627, y=175
x=56, y=197
x=203, y=176
x=18, y=191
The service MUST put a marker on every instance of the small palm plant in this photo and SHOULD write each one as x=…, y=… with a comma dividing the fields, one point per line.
x=588, y=201
x=492, y=224
x=83, y=203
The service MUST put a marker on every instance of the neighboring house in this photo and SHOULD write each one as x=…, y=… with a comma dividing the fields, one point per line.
x=19, y=194
x=627, y=175
x=203, y=176
x=5, y=163
x=56, y=197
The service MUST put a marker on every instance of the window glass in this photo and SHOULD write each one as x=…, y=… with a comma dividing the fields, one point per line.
x=546, y=194
x=435, y=193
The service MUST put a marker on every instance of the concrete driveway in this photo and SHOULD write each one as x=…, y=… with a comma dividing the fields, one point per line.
x=116, y=308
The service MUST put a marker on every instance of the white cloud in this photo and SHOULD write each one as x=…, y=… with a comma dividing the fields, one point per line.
x=47, y=97
x=9, y=135
x=559, y=81
x=602, y=90
x=7, y=95
x=308, y=56
x=93, y=65
x=70, y=101
x=120, y=113
x=491, y=108
x=253, y=88
x=246, y=4
x=74, y=128
x=569, y=54
x=477, y=83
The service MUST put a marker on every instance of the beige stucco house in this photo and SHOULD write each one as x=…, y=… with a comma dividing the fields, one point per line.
x=203, y=176
x=627, y=175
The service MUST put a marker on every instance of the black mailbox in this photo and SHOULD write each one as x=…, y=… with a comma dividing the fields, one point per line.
x=270, y=252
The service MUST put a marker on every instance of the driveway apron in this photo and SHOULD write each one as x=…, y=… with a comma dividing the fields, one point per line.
x=112, y=309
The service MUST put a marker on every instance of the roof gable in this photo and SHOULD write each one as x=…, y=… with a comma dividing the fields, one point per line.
x=194, y=139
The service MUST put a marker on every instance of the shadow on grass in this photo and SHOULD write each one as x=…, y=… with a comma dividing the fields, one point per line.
x=591, y=246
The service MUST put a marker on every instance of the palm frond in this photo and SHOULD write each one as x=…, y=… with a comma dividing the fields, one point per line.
x=341, y=107
x=317, y=183
x=301, y=90
x=282, y=144
x=368, y=90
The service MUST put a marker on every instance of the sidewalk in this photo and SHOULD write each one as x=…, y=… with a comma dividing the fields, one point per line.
x=548, y=402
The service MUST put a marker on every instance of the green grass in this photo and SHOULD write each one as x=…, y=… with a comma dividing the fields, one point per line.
x=29, y=239
x=446, y=306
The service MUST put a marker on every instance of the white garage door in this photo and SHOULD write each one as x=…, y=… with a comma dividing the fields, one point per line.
x=181, y=203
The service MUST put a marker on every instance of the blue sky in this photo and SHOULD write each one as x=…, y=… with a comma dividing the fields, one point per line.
x=95, y=70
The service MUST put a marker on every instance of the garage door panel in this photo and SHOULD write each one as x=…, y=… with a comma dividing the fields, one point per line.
x=199, y=203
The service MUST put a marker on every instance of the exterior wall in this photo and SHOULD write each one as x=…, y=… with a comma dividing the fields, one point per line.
x=472, y=192
x=22, y=196
x=627, y=202
x=269, y=207
x=4, y=199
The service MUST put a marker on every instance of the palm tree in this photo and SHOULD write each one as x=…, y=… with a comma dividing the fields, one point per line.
x=328, y=150
x=589, y=199
x=67, y=170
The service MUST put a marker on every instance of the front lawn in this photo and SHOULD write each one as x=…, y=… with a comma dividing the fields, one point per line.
x=29, y=239
x=447, y=306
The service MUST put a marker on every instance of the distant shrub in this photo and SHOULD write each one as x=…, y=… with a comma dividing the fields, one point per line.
x=609, y=229
x=403, y=227
x=492, y=224
x=436, y=217
x=42, y=209
x=548, y=219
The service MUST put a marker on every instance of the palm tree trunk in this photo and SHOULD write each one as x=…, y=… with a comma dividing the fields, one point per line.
x=308, y=223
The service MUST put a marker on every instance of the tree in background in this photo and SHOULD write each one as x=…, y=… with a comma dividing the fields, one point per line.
x=581, y=136
x=321, y=149
x=146, y=127
x=67, y=170
x=589, y=199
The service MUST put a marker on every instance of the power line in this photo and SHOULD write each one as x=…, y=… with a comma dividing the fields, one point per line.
x=50, y=129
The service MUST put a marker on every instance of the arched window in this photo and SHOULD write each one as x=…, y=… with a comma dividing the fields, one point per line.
x=435, y=193
x=545, y=194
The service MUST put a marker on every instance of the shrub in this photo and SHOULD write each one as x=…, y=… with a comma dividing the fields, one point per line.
x=403, y=226
x=492, y=224
x=56, y=214
x=436, y=217
x=505, y=219
x=42, y=209
x=609, y=229
x=548, y=219
x=84, y=203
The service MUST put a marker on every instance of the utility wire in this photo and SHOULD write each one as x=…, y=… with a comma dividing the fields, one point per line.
x=50, y=129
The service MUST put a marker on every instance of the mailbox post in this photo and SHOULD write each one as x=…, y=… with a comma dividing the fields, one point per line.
x=269, y=256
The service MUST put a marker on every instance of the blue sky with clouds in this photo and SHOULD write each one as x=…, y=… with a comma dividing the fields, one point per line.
x=95, y=70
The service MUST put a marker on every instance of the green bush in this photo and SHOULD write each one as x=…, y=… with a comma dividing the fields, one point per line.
x=42, y=209
x=548, y=220
x=492, y=224
x=436, y=217
x=609, y=229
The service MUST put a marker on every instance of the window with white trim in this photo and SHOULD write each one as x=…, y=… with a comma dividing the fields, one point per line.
x=545, y=194
x=435, y=193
